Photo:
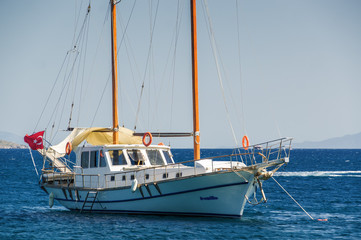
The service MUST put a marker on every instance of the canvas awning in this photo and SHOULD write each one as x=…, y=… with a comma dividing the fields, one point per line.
x=94, y=136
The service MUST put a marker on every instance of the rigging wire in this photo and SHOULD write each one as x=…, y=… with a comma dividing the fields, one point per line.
x=57, y=106
x=93, y=63
x=146, y=66
x=65, y=83
x=124, y=40
x=178, y=23
x=216, y=58
x=84, y=39
x=101, y=98
x=151, y=67
x=52, y=90
x=79, y=39
x=174, y=46
x=83, y=74
x=120, y=44
x=77, y=17
x=170, y=61
x=240, y=69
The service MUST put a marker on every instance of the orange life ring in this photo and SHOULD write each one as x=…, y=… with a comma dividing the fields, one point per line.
x=245, y=142
x=147, y=134
x=68, y=148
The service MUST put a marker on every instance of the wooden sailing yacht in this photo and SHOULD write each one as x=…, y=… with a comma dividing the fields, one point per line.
x=120, y=171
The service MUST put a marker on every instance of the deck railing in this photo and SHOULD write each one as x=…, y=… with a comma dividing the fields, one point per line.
x=255, y=154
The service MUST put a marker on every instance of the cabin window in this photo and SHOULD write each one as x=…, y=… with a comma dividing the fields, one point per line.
x=136, y=157
x=165, y=175
x=167, y=157
x=102, y=159
x=85, y=159
x=124, y=178
x=117, y=157
x=93, y=159
x=147, y=176
x=155, y=157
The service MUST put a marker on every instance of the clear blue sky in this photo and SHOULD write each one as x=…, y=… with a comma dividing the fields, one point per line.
x=300, y=67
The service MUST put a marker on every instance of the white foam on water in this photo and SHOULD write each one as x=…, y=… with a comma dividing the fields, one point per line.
x=320, y=174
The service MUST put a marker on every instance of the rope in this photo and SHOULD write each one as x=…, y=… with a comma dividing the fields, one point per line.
x=292, y=198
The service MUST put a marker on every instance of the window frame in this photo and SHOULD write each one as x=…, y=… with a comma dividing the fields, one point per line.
x=102, y=159
x=157, y=154
x=122, y=158
x=82, y=159
x=94, y=153
x=166, y=153
x=141, y=160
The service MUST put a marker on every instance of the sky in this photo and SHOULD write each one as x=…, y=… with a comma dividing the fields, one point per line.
x=288, y=68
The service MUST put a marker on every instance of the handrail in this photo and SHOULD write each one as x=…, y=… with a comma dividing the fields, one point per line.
x=274, y=150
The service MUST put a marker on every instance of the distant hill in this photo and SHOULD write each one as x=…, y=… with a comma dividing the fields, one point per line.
x=10, y=140
x=10, y=137
x=348, y=141
x=8, y=145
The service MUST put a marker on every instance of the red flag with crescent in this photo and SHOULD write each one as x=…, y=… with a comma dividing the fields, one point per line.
x=35, y=140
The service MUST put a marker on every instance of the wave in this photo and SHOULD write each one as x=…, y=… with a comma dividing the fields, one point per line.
x=320, y=174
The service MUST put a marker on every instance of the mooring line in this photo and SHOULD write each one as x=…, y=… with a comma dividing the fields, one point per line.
x=293, y=199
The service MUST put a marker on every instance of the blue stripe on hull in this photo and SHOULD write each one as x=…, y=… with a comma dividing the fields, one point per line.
x=158, y=196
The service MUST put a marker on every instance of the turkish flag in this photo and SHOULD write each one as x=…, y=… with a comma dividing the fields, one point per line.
x=35, y=141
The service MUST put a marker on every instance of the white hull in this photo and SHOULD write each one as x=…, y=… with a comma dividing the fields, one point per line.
x=214, y=194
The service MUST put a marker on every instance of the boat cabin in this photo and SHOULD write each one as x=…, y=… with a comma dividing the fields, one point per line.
x=114, y=158
x=103, y=164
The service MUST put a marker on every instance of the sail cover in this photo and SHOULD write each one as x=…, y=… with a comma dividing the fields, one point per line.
x=93, y=136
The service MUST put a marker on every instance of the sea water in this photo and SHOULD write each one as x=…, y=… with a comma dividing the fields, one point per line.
x=326, y=183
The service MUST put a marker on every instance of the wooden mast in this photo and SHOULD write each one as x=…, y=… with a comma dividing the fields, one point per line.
x=114, y=72
x=196, y=137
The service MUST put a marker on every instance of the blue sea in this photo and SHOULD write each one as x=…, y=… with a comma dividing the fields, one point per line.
x=326, y=183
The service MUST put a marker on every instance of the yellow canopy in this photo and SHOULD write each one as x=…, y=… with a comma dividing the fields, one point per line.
x=94, y=136
x=104, y=136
